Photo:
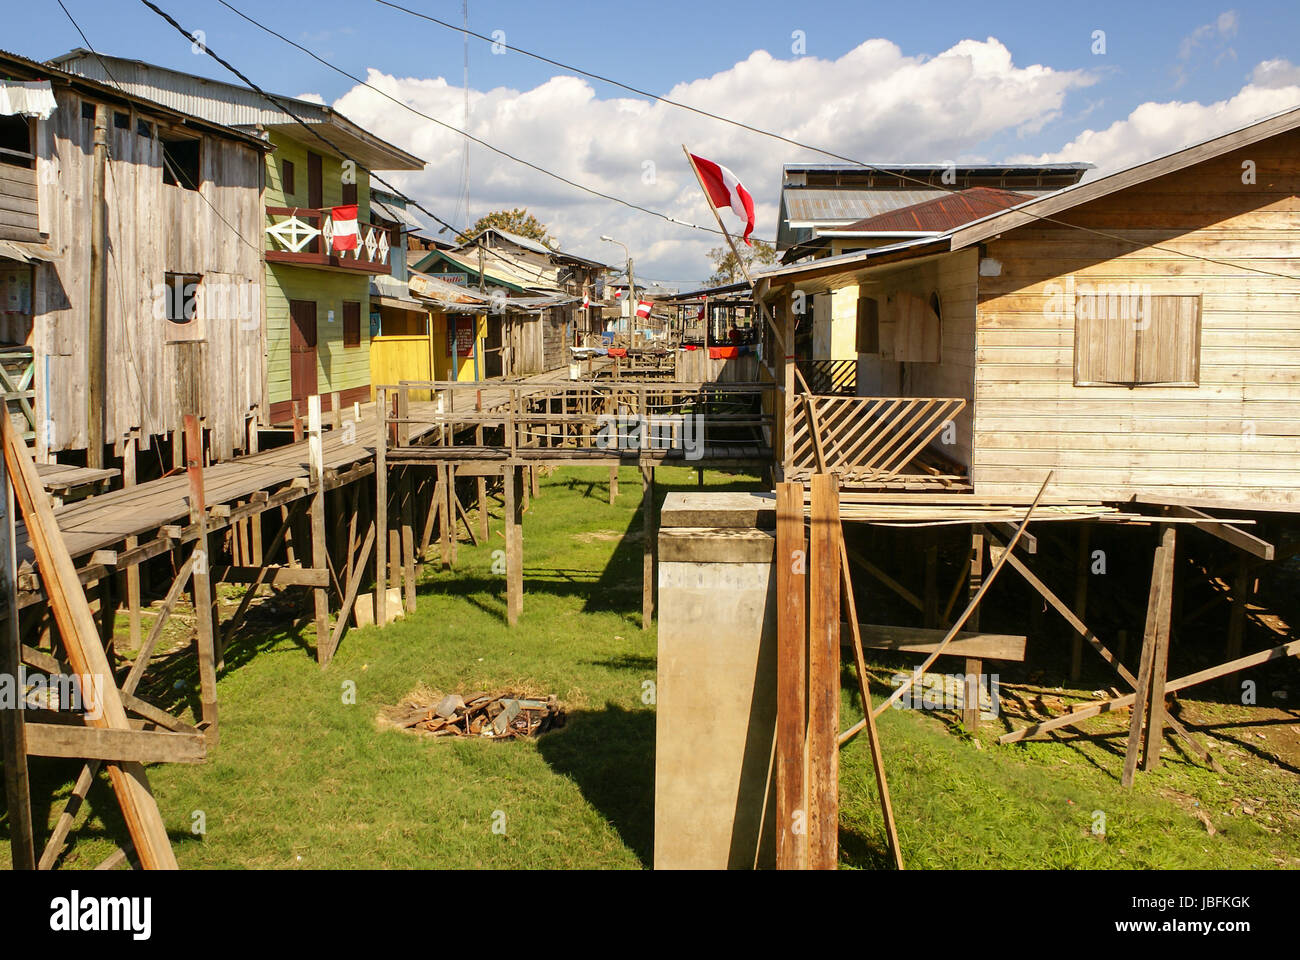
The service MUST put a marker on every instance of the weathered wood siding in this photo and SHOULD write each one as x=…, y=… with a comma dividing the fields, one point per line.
x=953, y=279
x=1236, y=435
x=153, y=229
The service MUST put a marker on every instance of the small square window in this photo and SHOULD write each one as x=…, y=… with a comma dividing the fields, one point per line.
x=287, y=184
x=122, y=121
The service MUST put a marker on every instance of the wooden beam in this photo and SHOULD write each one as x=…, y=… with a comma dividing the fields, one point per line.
x=350, y=598
x=791, y=657
x=966, y=643
x=824, y=674
x=381, y=508
x=85, y=653
x=95, y=743
x=1160, y=662
x=1251, y=544
x=319, y=550
x=276, y=576
x=1142, y=689
x=649, y=528
x=514, y=510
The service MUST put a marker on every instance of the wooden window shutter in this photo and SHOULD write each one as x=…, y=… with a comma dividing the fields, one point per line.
x=1169, y=342
x=1137, y=339
x=868, y=335
x=351, y=323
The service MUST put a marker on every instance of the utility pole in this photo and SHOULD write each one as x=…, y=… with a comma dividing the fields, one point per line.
x=96, y=339
x=631, y=281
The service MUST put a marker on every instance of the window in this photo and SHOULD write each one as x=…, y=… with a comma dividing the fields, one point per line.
x=87, y=110
x=181, y=162
x=868, y=339
x=349, y=193
x=351, y=324
x=122, y=121
x=181, y=298
x=16, y=141
x=286, y=178
x=1130, y=337
x=143, y=129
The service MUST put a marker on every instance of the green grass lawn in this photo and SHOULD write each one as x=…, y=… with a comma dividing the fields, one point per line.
x=304, y=776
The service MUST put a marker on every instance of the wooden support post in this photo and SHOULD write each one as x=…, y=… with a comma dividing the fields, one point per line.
x=791, y=659
x=613, y=483
x=1082, y=566
x=527, y=485
x=408, y=539
x=129, y=452
x=13, y=731
x=255, y=523
x=930, y=591
x=534, y=481
x=514, y=482
x=319, y=558
x=824, y=674
x=1242, y=584
x=1156, y=600
x=1160, y=662
x=481, y=489
x=204, y=610
x=448, y=521
x=381, y=507
x=650, y=533
x=970, y=717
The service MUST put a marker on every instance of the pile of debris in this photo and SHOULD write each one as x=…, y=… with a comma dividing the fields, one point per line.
x=501, y=716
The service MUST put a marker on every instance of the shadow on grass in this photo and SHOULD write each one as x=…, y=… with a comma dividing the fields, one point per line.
x=610, y=755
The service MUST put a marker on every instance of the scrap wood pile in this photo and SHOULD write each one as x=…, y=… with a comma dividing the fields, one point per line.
x=501, y=716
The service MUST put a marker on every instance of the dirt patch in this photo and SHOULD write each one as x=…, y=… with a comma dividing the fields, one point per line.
x=603, y=536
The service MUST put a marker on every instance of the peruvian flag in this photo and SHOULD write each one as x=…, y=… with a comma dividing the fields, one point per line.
x=586, y=300
x=346, y=233
x=725, y=190
x=643, y=309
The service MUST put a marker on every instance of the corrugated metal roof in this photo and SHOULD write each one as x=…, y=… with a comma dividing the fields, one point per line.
x=819, y=204
x=943, y=212
x=236, y=106
x=394, y=212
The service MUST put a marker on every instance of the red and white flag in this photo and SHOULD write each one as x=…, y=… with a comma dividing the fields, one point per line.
x=586, y=300
x=643, y=309
x=725, y=190
x=346, y=233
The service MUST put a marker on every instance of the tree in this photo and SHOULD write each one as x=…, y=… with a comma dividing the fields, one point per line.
x=518, y=221
x=726, y=268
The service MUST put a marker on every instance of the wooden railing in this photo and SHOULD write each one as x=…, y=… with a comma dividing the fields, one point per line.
x=864, y=439
x=17, y=367
x=831, y=378
x=605, y=419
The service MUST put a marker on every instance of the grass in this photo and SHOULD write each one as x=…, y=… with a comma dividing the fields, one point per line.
x=305, y=777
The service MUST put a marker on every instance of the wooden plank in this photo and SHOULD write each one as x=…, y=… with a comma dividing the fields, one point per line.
x=1142, y=689
x=96, y=743
x=1251, y=544
x=350, y=598
x=973, y=643
x=791, y=652
x=277, y=576
x=85, y=654
x=823, y=674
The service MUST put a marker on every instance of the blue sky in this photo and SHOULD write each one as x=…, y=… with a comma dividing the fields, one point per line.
x=1195, y=52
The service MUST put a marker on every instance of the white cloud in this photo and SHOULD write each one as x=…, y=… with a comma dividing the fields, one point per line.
x=872, y=103
x=1154, y=129
x=1213, y=36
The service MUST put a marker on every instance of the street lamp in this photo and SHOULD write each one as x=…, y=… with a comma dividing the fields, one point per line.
x=631, y=280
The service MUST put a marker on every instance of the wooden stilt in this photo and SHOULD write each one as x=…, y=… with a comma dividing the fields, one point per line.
x=791, y=678
x=201, y=581
x=613, y=483
x=1160, y=662
x=930, y=592
x=481, y=488
x=452, y=504
x=514, y=544
x=129, y=460
x=824, y=675
x=1156, y=600
x=1082, y=566
x=381, y=508
x=448, y=521
x=970, y=716
x=1242, y=584
x=650, y=533
x=408, y=539
x=319, y=554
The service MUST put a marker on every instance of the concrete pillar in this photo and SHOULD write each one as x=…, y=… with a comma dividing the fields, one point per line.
x=716, y=691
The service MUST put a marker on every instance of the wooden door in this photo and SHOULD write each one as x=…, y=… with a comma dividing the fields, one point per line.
x=315, y=182
x=302, y=348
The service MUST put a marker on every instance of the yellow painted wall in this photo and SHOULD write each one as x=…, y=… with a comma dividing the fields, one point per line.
x=442, y=356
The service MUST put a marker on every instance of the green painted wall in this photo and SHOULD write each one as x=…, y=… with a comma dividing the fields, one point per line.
x=337, y=367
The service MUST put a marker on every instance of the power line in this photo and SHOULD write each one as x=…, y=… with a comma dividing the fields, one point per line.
x=993, y=207
x=454, y=129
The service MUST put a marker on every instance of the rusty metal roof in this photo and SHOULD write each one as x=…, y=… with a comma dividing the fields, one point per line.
x=941, y=213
